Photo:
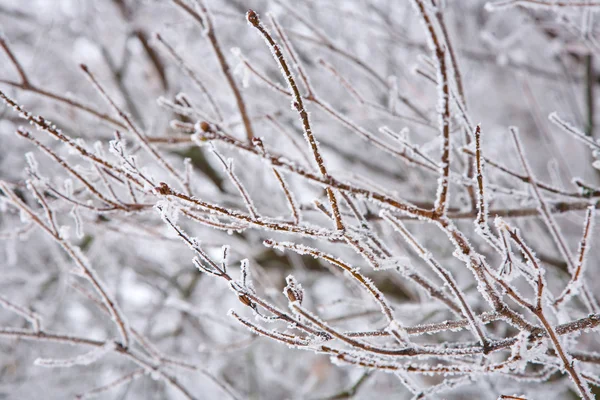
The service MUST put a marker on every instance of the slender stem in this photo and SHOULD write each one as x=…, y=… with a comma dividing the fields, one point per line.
x=439, y=53
x=13, y=59
x=207, y=25
x=298, y=104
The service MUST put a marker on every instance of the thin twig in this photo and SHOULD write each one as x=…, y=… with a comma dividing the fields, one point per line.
x=298, y=104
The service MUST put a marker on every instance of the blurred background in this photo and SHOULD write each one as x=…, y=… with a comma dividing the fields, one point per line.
x=367, y=59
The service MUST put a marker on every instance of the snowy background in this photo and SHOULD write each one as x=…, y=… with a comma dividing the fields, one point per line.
x=101, y=295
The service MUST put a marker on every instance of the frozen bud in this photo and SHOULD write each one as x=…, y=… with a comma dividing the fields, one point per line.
x=258, y=143
x=204, y=126
x=252, y=18
x=293, y=290
x=245, y=300
x=163, y=189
